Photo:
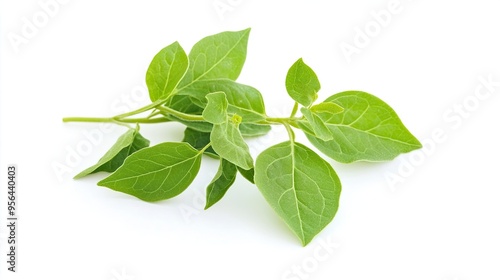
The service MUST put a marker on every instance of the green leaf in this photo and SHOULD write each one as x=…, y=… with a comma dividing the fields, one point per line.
x=199, y=140
x=300, y=186
x=186, y=104
x=196, y=125
x=368, y=129
x=246, y=129
x=316, y=124
x=252, y=130
x=302, y=83
x=326, y=109
x=216, y=57
x=166, y=71
x=227, y=141
x=243, y=100
x=130, y=142
x=156, y=173
x=248, y=174
x=220, y=184
x=216, y=109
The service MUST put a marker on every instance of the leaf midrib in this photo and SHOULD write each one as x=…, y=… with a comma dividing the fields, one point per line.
x=217, y=63
x=375, y=135
x=155, y=171
x=164, y=93
x=292, y=156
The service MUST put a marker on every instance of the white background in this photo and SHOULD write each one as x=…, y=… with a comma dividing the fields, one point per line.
x=440, y=221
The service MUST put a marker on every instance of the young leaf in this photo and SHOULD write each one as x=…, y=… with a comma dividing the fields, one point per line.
x=368, y=129
x=247, y=174
x=156, y=173
x=316, y=124
x=130, y=142
x=227, y=141
x=216, y=109
x=302, y=84
x=220, y=184
x=166, y=71
x=326, y=108
x=217, y=57
x=246, y=129
x=243, y=100
x=300, y=186
x=199, y=140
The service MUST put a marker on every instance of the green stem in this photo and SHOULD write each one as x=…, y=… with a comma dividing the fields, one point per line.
x=204, y=148
x=181, y=115
x=145, y=120
x=277, y=120
x=154, y=113
x=115, y=120
x=294, y=110
x=289, y=129
x=142, y=110
x=290, y=121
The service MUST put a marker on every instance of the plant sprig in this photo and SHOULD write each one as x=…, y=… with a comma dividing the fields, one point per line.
x=200, y=91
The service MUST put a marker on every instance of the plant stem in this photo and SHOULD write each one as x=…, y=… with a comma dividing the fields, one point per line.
x=116, y=120
x=141, y=110
x=154, y=113
x=146, y=120
x=294, y=110
x=290, y=121
x=181, y=115
x=291, y=134
x=204, y=148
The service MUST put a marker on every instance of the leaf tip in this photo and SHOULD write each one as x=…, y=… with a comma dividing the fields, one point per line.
x=418, y=144
x=82, y=174
x=102, y=183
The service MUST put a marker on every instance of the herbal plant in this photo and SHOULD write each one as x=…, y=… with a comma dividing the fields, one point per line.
x=200, y=91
